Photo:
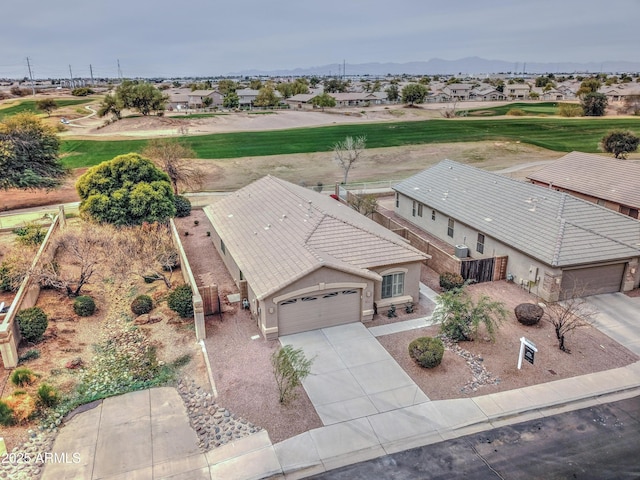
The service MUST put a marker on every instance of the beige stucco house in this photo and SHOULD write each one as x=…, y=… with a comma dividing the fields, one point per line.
x=557, y=245
x=308, y=260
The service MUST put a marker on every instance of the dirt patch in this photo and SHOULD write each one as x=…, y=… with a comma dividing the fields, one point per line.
x=591, y=351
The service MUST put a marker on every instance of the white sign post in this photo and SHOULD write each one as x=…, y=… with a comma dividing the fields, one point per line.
x=527, y=350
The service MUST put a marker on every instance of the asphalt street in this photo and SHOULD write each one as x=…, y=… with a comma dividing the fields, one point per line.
x=600, y=442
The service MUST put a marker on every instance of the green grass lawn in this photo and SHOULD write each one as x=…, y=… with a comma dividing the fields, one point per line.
x=538, y=109
x=558, y=134
x=30, y=106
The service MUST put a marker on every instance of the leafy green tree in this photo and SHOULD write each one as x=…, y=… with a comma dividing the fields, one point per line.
x=414, y=93
x=207, y=102
x=620, y=143
x=323, y=100
x=231, y=100
x=47, y=105
x=227, y=86
x=314, y=81
x=335, y=85
x=127, y=190
x=111, y=105
x=266, y=97
x=29, y=153
x=289, y=89
x=255, y=84
x=461, y=317
x=594, y=104
x=290, y=368
x=146, y=98
x=393, y=93
x=588, y=85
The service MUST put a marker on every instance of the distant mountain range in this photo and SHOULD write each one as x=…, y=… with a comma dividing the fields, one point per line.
x=464, y=66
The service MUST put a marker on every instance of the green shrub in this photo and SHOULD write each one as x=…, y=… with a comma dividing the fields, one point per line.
x=142, y=304
x=516, y=112
x=22, y=376
x=181, y=301
x=82, y=92
x=30, y=234
x=48, y=396
x=6, y=414
x=84, y=306
x=427, y=351
x=32, y=323
x=450, y=280
x=570, y=110
x=183, y=206
x=29, y=355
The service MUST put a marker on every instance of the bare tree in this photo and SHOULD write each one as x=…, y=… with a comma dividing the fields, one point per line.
x=567, y=315
x=146, y=251
x=451, y=111
x=347, y=152
x=365, y=204
x=85, y=249
x=173, y=158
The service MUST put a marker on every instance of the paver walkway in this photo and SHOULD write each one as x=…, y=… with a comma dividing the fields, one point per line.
x=352, y=375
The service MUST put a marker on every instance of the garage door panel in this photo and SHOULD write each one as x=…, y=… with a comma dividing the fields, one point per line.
x=592, y=280
x=319, y=310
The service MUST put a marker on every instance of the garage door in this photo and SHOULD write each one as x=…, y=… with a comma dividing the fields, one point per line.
x=592, y=281
x=318, y=310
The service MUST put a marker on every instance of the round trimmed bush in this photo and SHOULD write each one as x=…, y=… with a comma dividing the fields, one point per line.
x=183, y=206
x=142, y=304
x=48, y=395
x=84, y=306
x=450, y=280
x=22, y=376
x=427, y=351
x=528, y=313
x=32, y=323
x=181, y=301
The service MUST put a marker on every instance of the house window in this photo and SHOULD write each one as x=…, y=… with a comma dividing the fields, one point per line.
x=397, y=199
x=433, y=215
x=223, y=249
x=393, y=285
x=420, y=209
x=413, y=209
x=450, y=228
x=480, y=243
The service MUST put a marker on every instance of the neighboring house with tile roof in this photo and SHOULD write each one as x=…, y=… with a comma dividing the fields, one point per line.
x=609, y=182
x=308, y=260
x=557, y=245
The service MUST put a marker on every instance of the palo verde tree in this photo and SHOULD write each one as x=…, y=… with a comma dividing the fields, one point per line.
x=29, y=153
x=620, y=143
x=47, y=105
x=127, y=190
x=347, y=152
x=290, y=367
x=266, y=97
x=173, y=158
x=414, y=93
x=323, y=100
x=143, y=97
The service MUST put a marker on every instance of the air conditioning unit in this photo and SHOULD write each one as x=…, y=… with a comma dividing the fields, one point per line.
x=462, y=251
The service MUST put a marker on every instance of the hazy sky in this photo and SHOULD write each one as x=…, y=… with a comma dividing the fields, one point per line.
x=206, y=37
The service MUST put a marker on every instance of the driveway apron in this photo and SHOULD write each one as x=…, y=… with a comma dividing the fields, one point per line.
x=352, y=375
x=618, y=317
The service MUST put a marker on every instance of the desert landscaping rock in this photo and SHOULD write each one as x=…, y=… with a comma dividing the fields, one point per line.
x=214, y=424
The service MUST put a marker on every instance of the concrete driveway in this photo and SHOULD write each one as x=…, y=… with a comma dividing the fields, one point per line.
x=352, y=376
x=618, y=316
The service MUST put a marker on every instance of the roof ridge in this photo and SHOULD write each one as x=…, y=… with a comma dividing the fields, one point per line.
x=559, y=243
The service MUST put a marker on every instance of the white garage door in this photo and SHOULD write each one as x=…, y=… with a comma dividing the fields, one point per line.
x=592, y=280
x=318, y=310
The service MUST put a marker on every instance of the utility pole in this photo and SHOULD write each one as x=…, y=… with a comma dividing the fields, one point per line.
x=119, y=71
x=344, y=64
x=71, y=78
x=91, y=71
x=33, y=88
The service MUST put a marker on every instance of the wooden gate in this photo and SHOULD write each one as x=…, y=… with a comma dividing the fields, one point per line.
x=479, y=271
x=210, y=300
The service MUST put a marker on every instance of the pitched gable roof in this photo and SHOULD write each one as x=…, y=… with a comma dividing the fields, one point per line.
x=556, y=228
x=279, y=232
x=595, y=175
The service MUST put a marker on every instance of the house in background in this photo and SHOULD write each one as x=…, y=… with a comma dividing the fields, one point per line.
x=197, y=98
x=609, y=182
x=557, y=245
x=306, y=261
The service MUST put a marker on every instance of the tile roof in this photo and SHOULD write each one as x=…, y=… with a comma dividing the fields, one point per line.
x=595, y=175
x=279, y=232
x=554, y=227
